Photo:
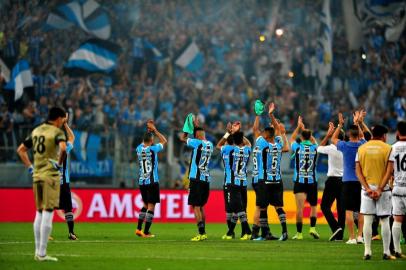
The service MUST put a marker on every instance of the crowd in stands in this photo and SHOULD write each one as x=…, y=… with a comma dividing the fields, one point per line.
x=238, y=68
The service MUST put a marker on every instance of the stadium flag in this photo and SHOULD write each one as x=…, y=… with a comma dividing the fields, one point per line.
x=152, y=51
x=21, y=78
x=93, y=56
x=360, y=16
x=191, y=58
x=325, y=55
x=87, y=14
x=4, y=70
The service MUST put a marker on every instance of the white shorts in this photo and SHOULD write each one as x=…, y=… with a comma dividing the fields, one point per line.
x=380, y=207
x=399, y=201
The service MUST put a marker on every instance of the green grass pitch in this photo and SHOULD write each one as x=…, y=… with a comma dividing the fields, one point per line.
x=114, y=246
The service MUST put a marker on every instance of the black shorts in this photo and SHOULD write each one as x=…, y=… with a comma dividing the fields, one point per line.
x=255, y=187
x=235, y=198
x=150, y=193
x=352, y=196
x=309, y=189
x=65, y=198
x=269, y=193
x=198, y=192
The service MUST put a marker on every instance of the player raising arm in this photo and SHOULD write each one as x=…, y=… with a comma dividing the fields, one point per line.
x=199, y=176
x=147, y=153
x=305, y=180
x=46, y=141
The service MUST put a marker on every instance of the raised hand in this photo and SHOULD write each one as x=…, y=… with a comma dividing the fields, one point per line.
x=331, y=129
x=300, y=122
x=151, y=126
x=341, y=119
x=229, y=127
x=356, y=117
x=271, y=108
x=363, y=113
x=236, y=126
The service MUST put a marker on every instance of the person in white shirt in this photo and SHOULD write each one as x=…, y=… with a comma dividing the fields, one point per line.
x=333, y=185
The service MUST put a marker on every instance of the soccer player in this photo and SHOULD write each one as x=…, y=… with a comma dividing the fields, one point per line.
x=305, y=178
x=371, y=163
x=236, y=158
x=351, y=192
x=199, y=176
x=397, y=167
x=48, y=144
x=65, y=199
x=147, y=153
x=269, y=188
x=333, y=185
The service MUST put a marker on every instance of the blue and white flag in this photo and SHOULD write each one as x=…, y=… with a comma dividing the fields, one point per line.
x=191, y=58
x=21, y=78
x=360, y=16
x=152, y=51
x=324, y=42
x=87, y=14
x=93, y=56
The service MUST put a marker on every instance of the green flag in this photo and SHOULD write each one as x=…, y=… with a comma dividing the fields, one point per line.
x=188, y=127
x=259, y=107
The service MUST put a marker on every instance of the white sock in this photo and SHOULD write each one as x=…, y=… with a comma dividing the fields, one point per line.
x=37, y=230
x=46, y=228
x=385, y=231
x=396, y=232
x=367, y=230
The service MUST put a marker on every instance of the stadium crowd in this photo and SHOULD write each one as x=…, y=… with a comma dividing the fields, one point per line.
x=238, y=68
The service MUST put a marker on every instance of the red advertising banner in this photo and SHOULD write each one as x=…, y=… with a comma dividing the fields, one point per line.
x=123, y=205
x=110, y=205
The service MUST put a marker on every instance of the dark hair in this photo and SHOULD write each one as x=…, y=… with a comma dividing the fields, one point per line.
x=230, y=140
x=379, y=131
x=55, y=113
x=270, y=131
x=354, y=131
x=197, y=129
x=401, y=127
x=367, y=135
x=306, y=134
x=238, y=137
x=147, y=137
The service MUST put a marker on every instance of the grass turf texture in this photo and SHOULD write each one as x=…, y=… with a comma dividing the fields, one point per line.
x=115, y=246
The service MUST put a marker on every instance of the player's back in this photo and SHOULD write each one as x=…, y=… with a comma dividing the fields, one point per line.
x=45, y=147
x=398, y=157
x=305, y=154
x=274, y=162
x=259, y=159
x=226, y=154
x=148, y=162
x=240, y=158
x=200, y=160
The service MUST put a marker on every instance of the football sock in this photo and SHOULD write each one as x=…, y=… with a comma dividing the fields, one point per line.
x=228, y=218
x=244, y=223
x=396, y=231
x=282, y=219
x=367, y=231
x=313, y=221
x=255, y=229
x=375, y=225
x=386, y=235
x=69, y=221
x=200, y=226
x=141, y=218
x=148, y=221
x=299, y=227
x=37, y=230
x=263, y=222
x=46, y=228
x=233, y=223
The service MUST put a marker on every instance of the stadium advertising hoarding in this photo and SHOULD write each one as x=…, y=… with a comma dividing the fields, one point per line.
x=123, y=205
